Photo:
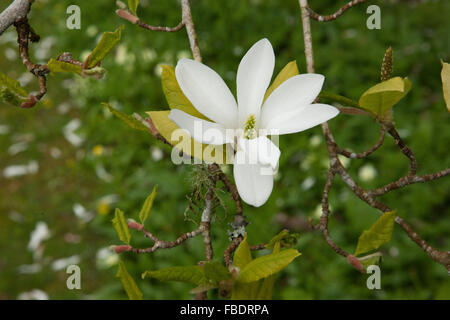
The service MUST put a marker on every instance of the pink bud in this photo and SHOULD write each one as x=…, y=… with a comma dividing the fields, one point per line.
x=122, y=248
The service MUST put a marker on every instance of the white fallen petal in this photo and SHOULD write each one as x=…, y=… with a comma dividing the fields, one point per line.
x=300, y=90
x=253, y=78
x=206, y=90
x=39, y=234
x=34, y=294
x=302, y=118
x=63, y=263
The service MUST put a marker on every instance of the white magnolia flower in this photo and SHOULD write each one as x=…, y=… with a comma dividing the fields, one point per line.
x=246, y=123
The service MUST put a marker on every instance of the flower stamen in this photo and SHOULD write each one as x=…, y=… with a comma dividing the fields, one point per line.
x=250, y=128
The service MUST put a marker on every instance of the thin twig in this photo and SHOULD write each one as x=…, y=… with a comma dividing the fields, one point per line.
x=335, y=15
x=24, y=35
x=190, y=29
x=336, y=167
x=366, y=153
x=135, y=20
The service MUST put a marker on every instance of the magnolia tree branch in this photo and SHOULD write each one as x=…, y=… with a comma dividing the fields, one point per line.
x=135, y=20
x=15, y=12
x=353, y=155
x=333, y=16
x=336, y=167
x=157, y=243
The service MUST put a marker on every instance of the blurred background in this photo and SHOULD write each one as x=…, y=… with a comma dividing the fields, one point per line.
x=66, y=164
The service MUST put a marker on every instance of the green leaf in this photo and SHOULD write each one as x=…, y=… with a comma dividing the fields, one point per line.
x=121, y=226
x=190, y=274
x=339, y=99
x=445, y=76
x=267, y=265
x=265, y=291
x=56, y=66
x=107, y=42
x=129, y=120
x=183, y=141
x=383, y=96
x=133, y=5
x=216, y=271
x=11, y=91
x=242, y=255
x=371, y=259
x=174, y=96
x=148, y=204
x=287, y=72
x=284, y=238
x=380, y=232
x=131, y=288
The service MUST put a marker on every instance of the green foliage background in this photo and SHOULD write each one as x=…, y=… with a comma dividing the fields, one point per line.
x=346, y=52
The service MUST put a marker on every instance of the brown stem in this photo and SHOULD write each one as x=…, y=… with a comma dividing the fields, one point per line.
x=135, y=20
x=366, y=153
x=24, y=35
x=336, y=167
x=335, y=15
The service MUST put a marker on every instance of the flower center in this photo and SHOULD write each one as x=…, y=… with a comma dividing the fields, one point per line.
x=250, y=128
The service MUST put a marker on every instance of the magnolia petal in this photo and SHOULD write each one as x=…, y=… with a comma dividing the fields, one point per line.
x=207, y=91
x=200, y=130
x=254, y=182
x=299, y=90
x=261, y=151
x=253, y=77
x=301, y=118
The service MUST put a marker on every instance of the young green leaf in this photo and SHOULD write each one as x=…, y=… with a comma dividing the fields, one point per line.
x=183, y=141
x=56, y=66
x=265, y=291
x=11, y=91
x=215, y=271
x=445, y=76
x=379, y=233
x=267, y=265
x=284, y=238
x=133, y=5
x=129, y=120
x=107, y=42
x=242, y=255
x=131, y=288
x=383, y=96
x=148, y=204
x=174, y=96
x=287, y=72
x=189, y=274
x=371, y=259
x=121, y=226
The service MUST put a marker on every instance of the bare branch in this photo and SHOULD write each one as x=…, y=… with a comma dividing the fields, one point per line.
x=336, y=167
x=366, y=153
x=15, y=12
x=407, y=180
x=335, y=15
x=158, y=244
x=190, y=28
x=24, y=35
x=135, y=20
